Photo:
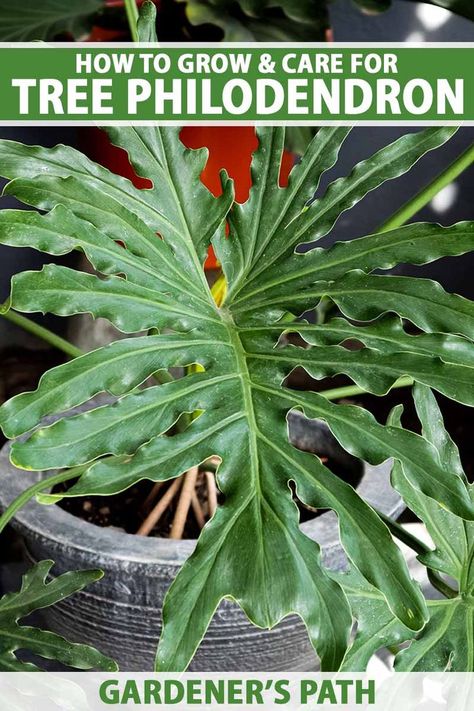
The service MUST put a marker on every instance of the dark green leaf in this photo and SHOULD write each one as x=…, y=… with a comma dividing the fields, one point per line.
x=373, y=371
x=64, y=291
x=193, y=214
x=35, y=594
x=118, y=369
x=447, y=641
x=376, y=625
x=365, y=297
x=264, y=219
x=453, y=536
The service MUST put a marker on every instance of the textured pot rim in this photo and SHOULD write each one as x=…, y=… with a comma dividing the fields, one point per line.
x=65, y=529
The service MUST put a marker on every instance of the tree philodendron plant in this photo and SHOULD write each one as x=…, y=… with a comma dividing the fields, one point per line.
x=447, y=641
x=150, y=246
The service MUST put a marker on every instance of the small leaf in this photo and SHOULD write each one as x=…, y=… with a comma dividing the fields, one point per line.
x=35, y=594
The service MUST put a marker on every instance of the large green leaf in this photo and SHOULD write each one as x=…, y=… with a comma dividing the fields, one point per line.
x=189, y=219
x=36, y=594
x=447, y=641
x=32, y=20
x=152, y=282
x=373, y=371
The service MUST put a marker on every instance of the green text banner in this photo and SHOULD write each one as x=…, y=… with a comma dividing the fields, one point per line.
x=300, y=84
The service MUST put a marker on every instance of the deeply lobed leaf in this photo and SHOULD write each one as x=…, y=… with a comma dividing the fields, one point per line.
x=36, y=593
x=446, y=643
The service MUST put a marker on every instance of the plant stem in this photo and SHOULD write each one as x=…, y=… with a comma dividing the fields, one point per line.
x=41, y=332
x=28, y=494
x=447, y=176
x=197, y=508
x=211, y=492
x=132, y=18
x=152, y=495
x=352, y=390
x=184, y=503
x=154, y=516
x=420, y=548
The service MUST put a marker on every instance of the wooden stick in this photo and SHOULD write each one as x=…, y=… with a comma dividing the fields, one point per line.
x=184, y=503
x=152, y=495
x=211, y=492
x=197, y=508
x=155, y=514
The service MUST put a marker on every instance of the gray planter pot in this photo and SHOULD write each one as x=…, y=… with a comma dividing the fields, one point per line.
x=121, y=615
